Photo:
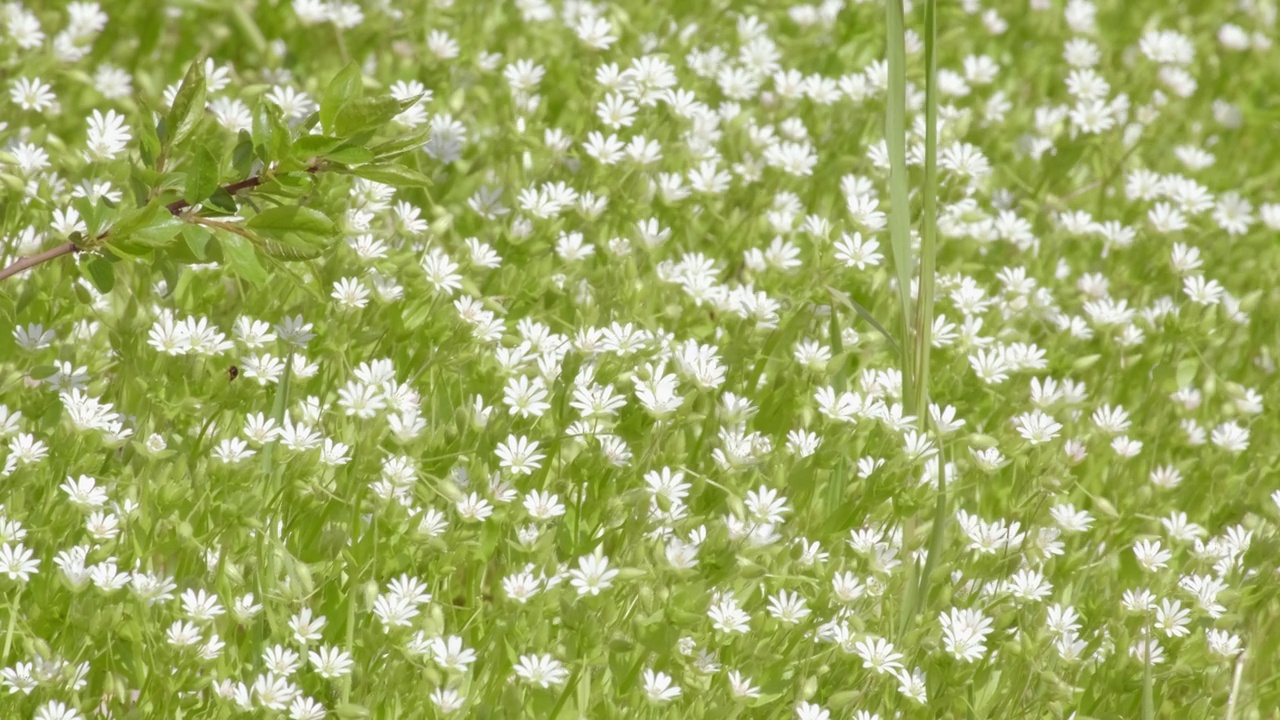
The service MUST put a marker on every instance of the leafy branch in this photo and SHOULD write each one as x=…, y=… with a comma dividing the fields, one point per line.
x=175, y=208
x=186, y=150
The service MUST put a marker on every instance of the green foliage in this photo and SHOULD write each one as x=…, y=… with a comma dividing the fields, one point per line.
x=578, y=320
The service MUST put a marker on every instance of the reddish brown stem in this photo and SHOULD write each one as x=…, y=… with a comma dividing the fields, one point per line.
x=46, y=256
x=176, y=207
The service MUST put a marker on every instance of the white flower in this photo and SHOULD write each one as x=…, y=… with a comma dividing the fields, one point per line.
x=519, y=455
x=593, y=574
x=33, y=94
x=659, y=687
x=541, y=670
x=811, y=711
x=964, y=633
x=330, y=662
x=305, y=628
x=349, y=292
x=107, y=136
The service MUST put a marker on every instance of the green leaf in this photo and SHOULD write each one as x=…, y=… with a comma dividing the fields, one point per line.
x=188, y=104
x=203, y=174
x=197, y=239
x=391, y=174
x=100, y=273
x=91, y=213
x=1187, y=371
x=353, y=155
x=396, y=147
x=222, y=200
x=149, y=226
x=366, y=114
x=346, y=86
x=238, y=255
x=350, y=711
x=271, y=138
x=292, y=248
x=309, y=146
x=242, y=155
x=41, y=372
x=148, y=139
x=168, y=269
x=278, y=220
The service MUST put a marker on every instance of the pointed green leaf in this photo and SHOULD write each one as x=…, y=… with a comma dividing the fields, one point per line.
x=238, y=254
x=100, y=273
x=271, y=138
x=242, y=155
x=188, y=104
x=366, y=114
x=222, y=200
x=278, y=220
x=150, y=226
x=203, y=173
x=197, y=239
x=41, y=372
x=309, y=146
x=292, y=247
x=346, y=86
x=148, y=139
x=350, y=156
x=350, y=711
x=403, y=144
x=391, y=174
x=1187, y=371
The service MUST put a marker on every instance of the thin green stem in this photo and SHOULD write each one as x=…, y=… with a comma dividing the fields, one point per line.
x=900, y=210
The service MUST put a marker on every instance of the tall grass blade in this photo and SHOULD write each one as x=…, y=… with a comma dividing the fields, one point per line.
x=929, y=221
x=895, y=131
x=928, y=260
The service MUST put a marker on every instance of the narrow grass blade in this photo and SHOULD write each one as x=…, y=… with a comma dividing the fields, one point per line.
x=929, y=221
x=847, y=300
x=895, y=131
x=924, y=301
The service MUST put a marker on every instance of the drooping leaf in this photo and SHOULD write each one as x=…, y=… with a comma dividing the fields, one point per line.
x=238, y=255
x=346, y=86
x=188, y=104
x=197, y=240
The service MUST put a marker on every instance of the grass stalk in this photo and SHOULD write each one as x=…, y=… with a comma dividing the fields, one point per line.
x=917, y=315
x=900, y=210
x=928, y=263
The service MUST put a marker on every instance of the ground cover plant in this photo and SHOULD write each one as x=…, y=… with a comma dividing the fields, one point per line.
x=639, y=360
